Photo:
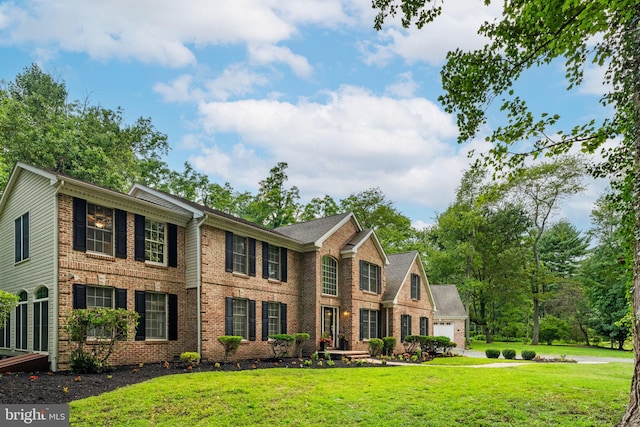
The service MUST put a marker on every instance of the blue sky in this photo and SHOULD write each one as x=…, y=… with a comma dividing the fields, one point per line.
x=239, y=86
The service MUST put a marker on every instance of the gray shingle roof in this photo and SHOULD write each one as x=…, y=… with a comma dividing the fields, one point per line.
x=399, y=265
x=312, y=231
x=448, y=301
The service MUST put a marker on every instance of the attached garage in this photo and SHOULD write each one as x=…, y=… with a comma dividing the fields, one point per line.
x=444, y=329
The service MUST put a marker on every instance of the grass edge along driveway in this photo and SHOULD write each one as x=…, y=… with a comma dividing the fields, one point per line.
x=528, y=395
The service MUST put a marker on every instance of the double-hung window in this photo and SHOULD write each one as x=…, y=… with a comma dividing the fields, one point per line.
x=155, y=241
x=370, y=277
x=274, y=262
x=240, y=254
x=41, y=320
x=99, y=229
x=424, y=326
x=369, y=324
x=415, y=286
x=241, y=318
x=21, y=321
x=21, y=238
x=329, y=276
x=156, y=316
x=405, y=326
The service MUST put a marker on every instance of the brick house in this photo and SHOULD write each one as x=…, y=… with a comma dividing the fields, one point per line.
x=193, y=273
x=450, y=319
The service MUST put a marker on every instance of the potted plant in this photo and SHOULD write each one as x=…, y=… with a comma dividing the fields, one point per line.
x=325, y=341
x=344, y=344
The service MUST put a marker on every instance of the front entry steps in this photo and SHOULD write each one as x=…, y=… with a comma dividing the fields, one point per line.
x=349, y=354
x=29, y=362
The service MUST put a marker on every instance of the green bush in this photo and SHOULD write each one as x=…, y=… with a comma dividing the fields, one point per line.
x=280, y=344
x=411, y=343
x=375, y=346
x=190, y=358
x=231, y=343
x=301, y=338
x=528, y=354
x=112, y=327
x=492, y=353
x=509, y=353
x=552, y=328
x=389, y=345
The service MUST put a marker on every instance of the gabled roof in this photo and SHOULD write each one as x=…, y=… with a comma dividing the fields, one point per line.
x=318, y=230
x=398, y=270
x=79, y=188
x=449, y=302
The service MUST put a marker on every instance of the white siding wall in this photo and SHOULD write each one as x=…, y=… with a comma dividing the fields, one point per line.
x=191, y=253
x=34, y=194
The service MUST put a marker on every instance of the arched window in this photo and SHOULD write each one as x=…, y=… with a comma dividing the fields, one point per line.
x=21, y=321
x=329, y=276
x=41, y=320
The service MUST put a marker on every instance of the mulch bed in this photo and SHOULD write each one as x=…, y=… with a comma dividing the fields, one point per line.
x=65, y=386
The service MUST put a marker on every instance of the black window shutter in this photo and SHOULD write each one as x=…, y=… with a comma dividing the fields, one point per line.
x=252, y=320
x=79, y=224
x=140, y=308
x=379, y=314
x=361, y=274
x=25, y=236
x=265, y=260
x=121, y=298
x=172, y=237
x=283, y=318
x=379, y=279
x=361, y=324
x=79, y=296
x=17, y=240
x=252, y=257
x=173, y=317
x=409, y=325
x=228, y=252
x=139, y=238
x=121, y=234
x=265, y=320
x=418, y=285
x=228, y=316
x=426, y=326
x=283, y=268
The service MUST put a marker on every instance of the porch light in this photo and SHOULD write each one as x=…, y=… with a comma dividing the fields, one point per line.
x=346, y=313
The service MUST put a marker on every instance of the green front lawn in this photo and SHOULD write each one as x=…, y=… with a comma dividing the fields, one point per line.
x=527, y=395
x=553, y=350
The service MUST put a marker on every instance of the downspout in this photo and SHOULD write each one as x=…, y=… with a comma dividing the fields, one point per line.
x=53, y=355
x=199, y=282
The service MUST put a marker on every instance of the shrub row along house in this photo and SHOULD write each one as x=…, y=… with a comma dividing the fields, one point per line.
x=193, y=273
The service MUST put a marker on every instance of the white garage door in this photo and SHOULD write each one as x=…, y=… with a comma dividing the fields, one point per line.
x=443, y=329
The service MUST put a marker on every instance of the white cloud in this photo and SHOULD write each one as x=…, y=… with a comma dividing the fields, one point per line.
x=456, y=28
x=353, y=142
x=268, y=54
x=404, y=87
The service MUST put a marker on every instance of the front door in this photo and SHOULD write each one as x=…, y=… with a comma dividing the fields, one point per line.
x=330, y=323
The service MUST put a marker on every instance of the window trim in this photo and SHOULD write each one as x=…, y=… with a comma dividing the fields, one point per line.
x=372, y=324
x=22, y=321
x=41, y=310
x=112, y=231
x=240, y=256
x=415, y=286
x=366, y=270
x=326, y=284
x=148, y=241
x=22, y=238
x=165, y=312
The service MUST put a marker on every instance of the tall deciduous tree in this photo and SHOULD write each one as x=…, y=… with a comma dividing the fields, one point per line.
x=532, y=34
x=540, y=189
x=274, y=206
x=38, y=125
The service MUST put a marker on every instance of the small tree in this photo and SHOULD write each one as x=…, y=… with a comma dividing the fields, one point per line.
x=231, y=343
x=552, y=328
x=106, y=327
x=389, y=345
x=280, y=344
x=300, y=338
x=7, y=303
